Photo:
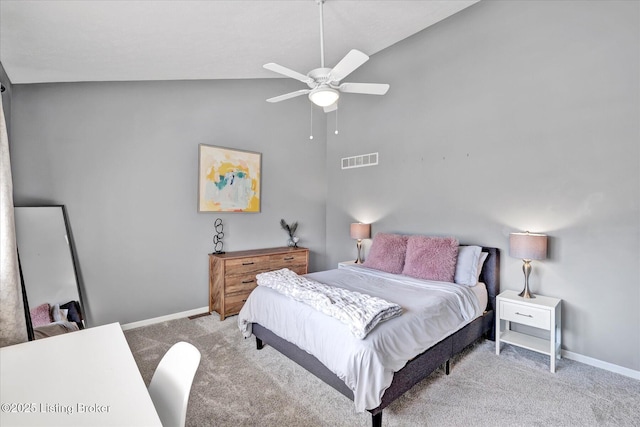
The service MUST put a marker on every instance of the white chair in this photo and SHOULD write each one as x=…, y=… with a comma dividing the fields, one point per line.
x=171, y=383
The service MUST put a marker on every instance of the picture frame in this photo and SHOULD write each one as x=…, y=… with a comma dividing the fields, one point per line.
x=229, y=180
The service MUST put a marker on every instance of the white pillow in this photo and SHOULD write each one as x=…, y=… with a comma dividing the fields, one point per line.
x=58, y=314
x=468, y=266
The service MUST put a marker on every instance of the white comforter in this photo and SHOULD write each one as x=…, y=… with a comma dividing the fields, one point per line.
x=360, y=312
x=431, y=311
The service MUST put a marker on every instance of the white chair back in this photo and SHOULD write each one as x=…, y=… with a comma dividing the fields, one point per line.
x=171, y=383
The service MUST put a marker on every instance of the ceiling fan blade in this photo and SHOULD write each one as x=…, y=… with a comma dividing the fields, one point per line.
x=287, y=72
x=364, y=88
x=331, y=107
x=289, y=95
x=348, y=64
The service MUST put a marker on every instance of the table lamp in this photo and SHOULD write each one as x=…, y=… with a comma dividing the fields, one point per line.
x=360, y=231
x=527, y=246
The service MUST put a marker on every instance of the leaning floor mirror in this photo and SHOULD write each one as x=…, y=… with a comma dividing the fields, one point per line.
x=48, y=270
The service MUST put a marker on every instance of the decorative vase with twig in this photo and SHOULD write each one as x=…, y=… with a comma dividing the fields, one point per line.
x=291, y=230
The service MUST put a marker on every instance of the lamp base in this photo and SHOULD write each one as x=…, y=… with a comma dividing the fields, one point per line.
x=526, y=269
x=526, y=294
x=359, y=260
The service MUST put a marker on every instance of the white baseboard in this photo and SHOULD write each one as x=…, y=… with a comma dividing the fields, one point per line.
x=602, y=365
x=165, y=318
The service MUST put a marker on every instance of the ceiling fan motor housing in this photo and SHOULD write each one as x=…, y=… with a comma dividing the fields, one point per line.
x=320, y=76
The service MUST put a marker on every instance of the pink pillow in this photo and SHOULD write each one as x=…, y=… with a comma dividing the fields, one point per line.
x=40, y=315
x=387, y=253
x=431, y=258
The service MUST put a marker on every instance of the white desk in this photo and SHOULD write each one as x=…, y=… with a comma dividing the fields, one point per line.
x=84, y=378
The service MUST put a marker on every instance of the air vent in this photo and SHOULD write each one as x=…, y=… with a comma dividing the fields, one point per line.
x=370, y=159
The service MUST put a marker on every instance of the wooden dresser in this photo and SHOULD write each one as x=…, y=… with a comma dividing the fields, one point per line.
x=232, y=275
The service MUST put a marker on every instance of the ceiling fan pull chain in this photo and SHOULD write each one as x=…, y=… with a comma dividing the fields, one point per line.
x=320, y=2
x=336, y=122
x=311, y=125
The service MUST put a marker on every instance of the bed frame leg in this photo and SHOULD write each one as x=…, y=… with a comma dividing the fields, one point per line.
x=259, y=344
x=447, y=367
x=376, y=419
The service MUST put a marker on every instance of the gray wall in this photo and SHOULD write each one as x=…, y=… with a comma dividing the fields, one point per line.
x=123, y=158
x=511, y=116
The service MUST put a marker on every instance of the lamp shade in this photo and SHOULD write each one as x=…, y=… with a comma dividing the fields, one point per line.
x=324, y=96
x=527, y=246
x=360, y=230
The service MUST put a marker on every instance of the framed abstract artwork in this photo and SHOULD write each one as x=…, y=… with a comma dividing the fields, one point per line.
x=228, y=180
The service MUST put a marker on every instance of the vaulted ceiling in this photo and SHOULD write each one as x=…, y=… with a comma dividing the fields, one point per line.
x=98, y=40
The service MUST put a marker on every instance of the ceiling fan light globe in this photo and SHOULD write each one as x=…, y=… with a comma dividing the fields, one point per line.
x=324, y=96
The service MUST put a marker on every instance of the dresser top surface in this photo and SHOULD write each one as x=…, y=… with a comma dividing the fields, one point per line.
x=258, y=252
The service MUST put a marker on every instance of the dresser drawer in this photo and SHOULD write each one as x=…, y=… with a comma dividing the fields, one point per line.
x=243, y=284
x=288, y=260
x=299, y=269
x=242, y=266
x=233, y=303
x=530, y=316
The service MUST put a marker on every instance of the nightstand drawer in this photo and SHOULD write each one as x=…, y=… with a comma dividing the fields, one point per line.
x=530, y=316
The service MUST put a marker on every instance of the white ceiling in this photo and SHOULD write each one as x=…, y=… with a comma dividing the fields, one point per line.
x=107, y=40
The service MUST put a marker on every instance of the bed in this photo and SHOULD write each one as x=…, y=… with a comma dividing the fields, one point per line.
x=56, y=319
x=265, y=315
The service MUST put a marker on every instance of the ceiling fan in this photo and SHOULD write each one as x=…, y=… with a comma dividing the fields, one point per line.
x=324, y=83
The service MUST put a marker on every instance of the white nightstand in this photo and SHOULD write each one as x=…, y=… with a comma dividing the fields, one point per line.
x=346, y=263
x=540, y=312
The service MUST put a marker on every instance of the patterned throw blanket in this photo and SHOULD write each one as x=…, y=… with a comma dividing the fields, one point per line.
x=360, y=312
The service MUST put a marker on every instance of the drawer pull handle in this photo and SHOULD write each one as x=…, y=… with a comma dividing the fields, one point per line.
x=247, y=281
x=244, y=300
x=525, y=315
x=248, y=263
x=288, y=258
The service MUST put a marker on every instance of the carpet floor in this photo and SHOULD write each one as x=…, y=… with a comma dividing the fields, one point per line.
x=236, y=385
